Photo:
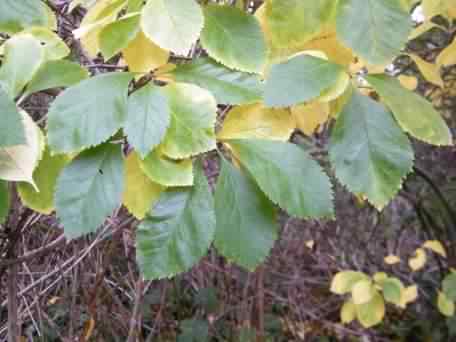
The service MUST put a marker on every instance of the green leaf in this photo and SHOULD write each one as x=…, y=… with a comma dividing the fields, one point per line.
x=18, y=162
x=56, y=74
x=148, y=118
x=4, y=201
x=10, y=122
x=88, y=113
x=23, y=56
x=299, y=79
x=369, y=152
x=233, y=38
x=17, y=15
x=344, y=281
x=193, y=117
x=45, y=177
x=246, y=227
x=140, y=192
x=229, y=87
x=116, y=36
x=168, y=172
x=414, y=114
x=371, y=313
x=392, y=290
x=173, y=25
x=54, y=47
x=288, y=176
x=178, y=230
x=449, y=286
x=375, y=30
x=445, y=305
x=293, y=22
x=89, y=189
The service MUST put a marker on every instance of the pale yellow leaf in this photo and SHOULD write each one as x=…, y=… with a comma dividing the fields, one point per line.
x=143, y=56
x=362, y=292
x=447, y=56
x=392, y=259
x=348, y=312
x=310, y=116
x=344, y=281
x=418, y=261
x=380, y=276
x=408, y=82
x=431, y=72
x=408, y=295
x=140, y=192
x=310, y=244
x=436, y=247
x=257, y=122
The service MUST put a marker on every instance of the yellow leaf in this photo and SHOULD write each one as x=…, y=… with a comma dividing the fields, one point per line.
x=310, y=244
x=89, y=327
x=348, y=312
x=143, y=56
x=418, y=261
x=445, y=305
x=436, y=247
x=371, y=313
x=362, y=292
x=408, y=82
x=310, y=116
x=419, y=30
x=431, y=72
x=257, y=122
x=344, y=281
x=380, y=276
x=408, y=295
x=140, y=192
x=448, y=55
x=392, y=259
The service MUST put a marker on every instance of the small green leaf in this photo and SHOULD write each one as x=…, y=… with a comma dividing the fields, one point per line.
x=193, y=117
x=392, y=290
x=288, y=176
x=56, y=74
x=299, y=79
x=17, y=15
x=414, y=114
x=45, y=177
x=446, y=305
x=233, y=38
x=4, y=201
x=23, y=56
x=88, y=113
x=375, y=30
x=369, y=152
x=372, y=312
x=178, y=230
x=173, y=25
x=449, y=286
x=246, y=227
x=11, y=127
x=148, y=118
x=116, y=36
x=229, y=87
x=89, y=189
x=344, y=281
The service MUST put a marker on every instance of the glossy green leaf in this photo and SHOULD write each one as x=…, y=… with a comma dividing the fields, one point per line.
x=16, y=15
x=89, y=189
x=173, y=25
x=282, y=171
x=56, y=74
x=293, y=22
x=233, y=38
x=414, y=113
x=178, y=230
x=88, y=113
x=299, y=79
x=375, y=30
x=11, y=127
x=23, y=56
x=148, y=118
x=193, y=116
x=229, y=86
x=369, y=152
x=449, y=286
x=4, y=201
x=116, y=36
x=246, y=227
x=45, y=178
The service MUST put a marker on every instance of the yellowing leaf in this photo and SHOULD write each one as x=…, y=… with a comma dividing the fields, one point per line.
x=431, y=72
x=344, y=281
x=379, y=277
x=142, y=55
x=418, y=261
x=408, y=295
x=335, y=91
x=310, y=116
x=392, y=259
x=436, y=247
x=448, y=55
x=408, y=82
x=362, y=292
x=257, y=122
x=17, y=163
x=348, y=312
x=372, y=312
x=140, y=192
x=445, y=305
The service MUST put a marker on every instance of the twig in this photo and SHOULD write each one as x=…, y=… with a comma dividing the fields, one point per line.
x=135, y=320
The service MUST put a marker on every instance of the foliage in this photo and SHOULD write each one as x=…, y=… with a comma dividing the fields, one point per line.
x=280, y=71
